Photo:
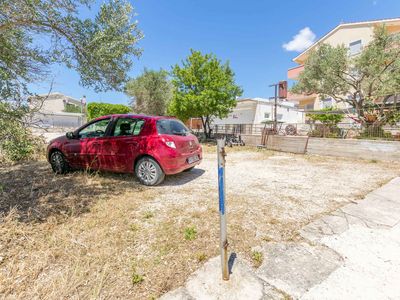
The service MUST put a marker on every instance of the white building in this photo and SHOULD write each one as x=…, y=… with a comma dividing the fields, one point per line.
x=59, y=111
x=259, y=110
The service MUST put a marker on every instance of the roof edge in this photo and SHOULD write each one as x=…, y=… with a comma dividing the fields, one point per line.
x=341, y=26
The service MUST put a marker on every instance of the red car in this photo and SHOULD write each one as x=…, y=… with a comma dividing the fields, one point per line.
x=151, y=147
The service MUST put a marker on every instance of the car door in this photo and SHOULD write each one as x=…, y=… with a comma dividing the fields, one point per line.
x=74, y=151
x=123, y=145
x=92, y=137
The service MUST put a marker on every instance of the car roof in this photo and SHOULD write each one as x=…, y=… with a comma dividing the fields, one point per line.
x=135, y=116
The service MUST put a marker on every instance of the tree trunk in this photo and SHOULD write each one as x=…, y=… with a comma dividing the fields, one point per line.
x=204, y=122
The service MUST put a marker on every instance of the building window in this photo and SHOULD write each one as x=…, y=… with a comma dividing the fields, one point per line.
x=326, y=103
x=308, y=107
x=355, y=47
x=279, y=116
x=266, y=115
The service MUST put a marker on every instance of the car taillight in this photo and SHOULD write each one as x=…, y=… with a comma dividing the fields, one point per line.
x=170, y=144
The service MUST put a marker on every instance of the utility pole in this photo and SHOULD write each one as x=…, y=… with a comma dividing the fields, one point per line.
x=282, y=85
x=275, y=85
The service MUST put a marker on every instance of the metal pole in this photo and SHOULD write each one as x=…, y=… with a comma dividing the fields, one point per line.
x=222, y=211
x=275, y=109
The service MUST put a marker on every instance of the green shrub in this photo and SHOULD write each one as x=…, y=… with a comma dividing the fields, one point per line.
x=16, y=141
x=71, y=108
x=322, y=130
x=374, y=132
x=96, y=110
x=136, y=278
x=330, y=118
x=257, y=257
x=190, y=233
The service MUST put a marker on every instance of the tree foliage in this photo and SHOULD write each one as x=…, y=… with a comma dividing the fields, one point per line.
x=99, y=49
x=16, y=141
x=203, y=87
x=96, y=110
x=151, y=92
x=327, y=116
x=368, y=81
x=35, y=34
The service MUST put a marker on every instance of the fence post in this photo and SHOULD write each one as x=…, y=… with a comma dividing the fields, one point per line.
x=222, y=210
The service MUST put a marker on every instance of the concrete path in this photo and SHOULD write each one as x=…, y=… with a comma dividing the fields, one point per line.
x=354, y=253
x=367, y=235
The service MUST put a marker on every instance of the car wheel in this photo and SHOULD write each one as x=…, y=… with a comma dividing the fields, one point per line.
x=188, y=170
x=58, y=163
x=149, y=172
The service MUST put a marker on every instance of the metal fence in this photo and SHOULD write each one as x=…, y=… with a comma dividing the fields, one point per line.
x=341, y=130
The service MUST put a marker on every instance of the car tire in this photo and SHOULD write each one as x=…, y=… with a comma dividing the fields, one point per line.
x=188, y=170
x=149, y=172
x=59, y=163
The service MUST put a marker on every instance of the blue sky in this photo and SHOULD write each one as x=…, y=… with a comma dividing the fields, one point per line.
x=250, y=34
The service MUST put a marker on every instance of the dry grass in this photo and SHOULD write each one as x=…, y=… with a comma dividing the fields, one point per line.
x=102, y=236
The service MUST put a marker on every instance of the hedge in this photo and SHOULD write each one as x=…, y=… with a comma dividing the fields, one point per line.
x=96, y=110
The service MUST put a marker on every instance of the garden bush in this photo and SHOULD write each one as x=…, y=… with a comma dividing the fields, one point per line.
x=96, y=110
x=17, y=143
x=374, y=132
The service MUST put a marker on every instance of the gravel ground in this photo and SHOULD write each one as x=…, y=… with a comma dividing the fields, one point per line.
x=102, y=235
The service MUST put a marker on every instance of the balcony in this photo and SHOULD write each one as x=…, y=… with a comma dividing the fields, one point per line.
x=293, y=73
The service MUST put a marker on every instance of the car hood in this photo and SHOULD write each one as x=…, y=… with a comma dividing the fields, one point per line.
x=60, y=139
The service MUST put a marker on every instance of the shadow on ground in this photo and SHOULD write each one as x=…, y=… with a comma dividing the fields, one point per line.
x=182, y=178
x=34, y=193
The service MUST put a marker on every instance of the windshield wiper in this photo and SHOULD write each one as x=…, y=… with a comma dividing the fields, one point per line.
x=179, y=133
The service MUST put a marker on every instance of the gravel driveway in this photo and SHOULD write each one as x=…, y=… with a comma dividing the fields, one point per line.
x=89, y=235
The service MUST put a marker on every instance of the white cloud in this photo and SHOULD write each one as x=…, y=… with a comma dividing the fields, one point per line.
x=301, y=41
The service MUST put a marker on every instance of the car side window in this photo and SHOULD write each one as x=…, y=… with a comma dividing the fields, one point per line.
x=96, y=129
x=138, y=127
x=128, y=126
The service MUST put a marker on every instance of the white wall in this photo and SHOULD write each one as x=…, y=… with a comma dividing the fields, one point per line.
x=350, y=34
x=253, y=112
x=285, y=111
x=243, y=113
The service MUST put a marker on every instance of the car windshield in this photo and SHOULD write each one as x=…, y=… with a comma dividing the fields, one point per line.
x=171, y=126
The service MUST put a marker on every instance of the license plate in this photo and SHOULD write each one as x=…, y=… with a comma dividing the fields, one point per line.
x=192, y=159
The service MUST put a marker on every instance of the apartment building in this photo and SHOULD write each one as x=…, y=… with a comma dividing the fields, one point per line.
x=355, y=36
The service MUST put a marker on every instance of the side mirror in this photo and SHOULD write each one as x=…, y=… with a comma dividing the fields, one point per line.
x=70, y=135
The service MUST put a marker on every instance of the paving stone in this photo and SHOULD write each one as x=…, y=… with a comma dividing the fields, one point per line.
x=389, y=191
x=178, y=294
x=375, y=209
x=295, y=268
x=207, y=284
x=271, y=293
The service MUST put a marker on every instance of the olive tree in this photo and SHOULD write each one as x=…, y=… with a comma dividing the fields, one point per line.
x=369, y=82
x=150, y=92
x=36, y=34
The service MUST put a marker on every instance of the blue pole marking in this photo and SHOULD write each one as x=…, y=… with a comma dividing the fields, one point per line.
x=221, y=190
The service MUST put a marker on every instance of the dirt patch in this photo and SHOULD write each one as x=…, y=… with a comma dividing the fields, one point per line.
x=104, y=236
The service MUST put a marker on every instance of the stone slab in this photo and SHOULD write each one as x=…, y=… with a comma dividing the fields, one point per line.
x=295, y=268
x=371, y=265
x=207, y=284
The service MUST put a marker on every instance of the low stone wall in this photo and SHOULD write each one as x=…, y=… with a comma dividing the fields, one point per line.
x=353, y=148
x=367, y=149
x=294, y=144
